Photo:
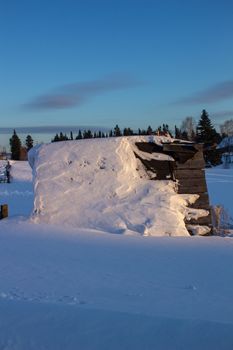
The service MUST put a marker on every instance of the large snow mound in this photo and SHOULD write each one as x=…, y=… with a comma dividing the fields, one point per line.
x=99, y=184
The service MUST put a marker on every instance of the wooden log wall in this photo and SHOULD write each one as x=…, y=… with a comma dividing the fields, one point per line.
x=187, y=170
x=191, y=180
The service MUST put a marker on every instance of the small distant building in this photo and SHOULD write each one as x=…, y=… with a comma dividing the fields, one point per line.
x=3, y=154
x=23, y=153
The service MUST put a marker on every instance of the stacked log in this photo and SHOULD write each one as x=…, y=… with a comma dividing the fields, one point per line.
x=191, y=179
x=187, y=169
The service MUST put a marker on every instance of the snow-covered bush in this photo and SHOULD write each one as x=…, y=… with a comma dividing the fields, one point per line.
x=221, y=219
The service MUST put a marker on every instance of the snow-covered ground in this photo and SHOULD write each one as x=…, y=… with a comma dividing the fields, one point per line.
x=69, y=288
x=220, y=187
x=19, y=193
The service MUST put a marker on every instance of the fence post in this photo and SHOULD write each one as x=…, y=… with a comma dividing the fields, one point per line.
x=4, y=211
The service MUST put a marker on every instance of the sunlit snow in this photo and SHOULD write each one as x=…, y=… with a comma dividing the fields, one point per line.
x=72, y=288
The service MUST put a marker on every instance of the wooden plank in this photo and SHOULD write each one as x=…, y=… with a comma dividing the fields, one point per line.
x=198, y=182
x=185, y=148
x=205, y=220
x=192, y=182
x=149, y=147
x=196, y=162
x=187, y=174
x=192, y=190
x=163, y=170
x=191, y=164
x=202, y=202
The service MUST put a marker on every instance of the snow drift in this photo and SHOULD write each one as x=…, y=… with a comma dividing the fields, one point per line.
x=99, y=184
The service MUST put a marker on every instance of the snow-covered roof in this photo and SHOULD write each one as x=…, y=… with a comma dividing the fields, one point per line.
x=227, y=141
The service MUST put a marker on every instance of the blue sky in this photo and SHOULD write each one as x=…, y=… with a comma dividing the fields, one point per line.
x=102, y=62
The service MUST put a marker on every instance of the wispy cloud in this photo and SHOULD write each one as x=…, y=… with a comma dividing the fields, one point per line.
x=76, y=94
x=223, y=114
x=216, y=93
x=49, y=129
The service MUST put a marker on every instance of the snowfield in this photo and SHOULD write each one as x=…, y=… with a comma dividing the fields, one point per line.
x=63, y=287
x=220, y=184
x=69, y=289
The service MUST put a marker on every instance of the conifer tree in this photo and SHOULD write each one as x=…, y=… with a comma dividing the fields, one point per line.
x=177, y=133
x=87, y=134
x=29, y=142
x=143, y=132
x=184, y=135
x=206, y=133
x=117, y=131
x=127, y=132
x=55, y=139
x=79, y=136
x=166, y=130
x=149, y=130
x=15, y=144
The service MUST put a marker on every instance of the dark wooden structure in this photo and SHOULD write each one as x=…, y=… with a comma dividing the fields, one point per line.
x=162, y=170
x=23, y=154
x=187, y=170
x=4, y=211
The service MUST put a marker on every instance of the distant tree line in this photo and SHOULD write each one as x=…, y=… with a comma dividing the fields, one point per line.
x=115, y=132
x=202, y=132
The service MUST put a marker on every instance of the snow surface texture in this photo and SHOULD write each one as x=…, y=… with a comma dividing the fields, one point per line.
x=19, y=193
x=67, y=288
x=220, y=184
x=77, y=289
x=100, y=184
